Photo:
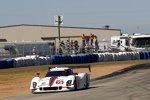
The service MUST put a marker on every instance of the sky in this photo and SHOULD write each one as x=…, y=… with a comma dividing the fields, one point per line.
x=131, y=16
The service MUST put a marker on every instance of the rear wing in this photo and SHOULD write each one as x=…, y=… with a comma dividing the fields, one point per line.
x=81, y=66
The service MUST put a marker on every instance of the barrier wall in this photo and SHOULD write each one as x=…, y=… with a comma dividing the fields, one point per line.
x=33, y=60
x=36, y=60
x=6, y=63
x=118, y=56
x=73, y=59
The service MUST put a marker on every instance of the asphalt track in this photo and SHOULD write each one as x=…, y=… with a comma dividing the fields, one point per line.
x=132, y=85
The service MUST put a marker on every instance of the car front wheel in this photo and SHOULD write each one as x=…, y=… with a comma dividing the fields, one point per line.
x=33, y=91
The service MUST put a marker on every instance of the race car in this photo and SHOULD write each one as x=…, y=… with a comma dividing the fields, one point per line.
x=60, y=79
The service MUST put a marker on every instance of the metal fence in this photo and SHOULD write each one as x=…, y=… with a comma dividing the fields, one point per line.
x=26, y=48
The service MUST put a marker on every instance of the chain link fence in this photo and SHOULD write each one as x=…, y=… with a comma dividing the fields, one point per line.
x=26, y=48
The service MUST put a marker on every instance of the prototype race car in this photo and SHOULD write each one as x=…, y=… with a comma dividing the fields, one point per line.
x=60, y=79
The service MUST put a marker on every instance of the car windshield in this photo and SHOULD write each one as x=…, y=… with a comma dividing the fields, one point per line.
x=58, y=73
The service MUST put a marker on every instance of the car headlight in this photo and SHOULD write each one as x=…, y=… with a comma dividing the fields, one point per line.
x=68, y=83
x=34, y=84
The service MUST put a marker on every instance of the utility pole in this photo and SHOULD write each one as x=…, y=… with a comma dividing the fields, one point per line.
x=58, y=21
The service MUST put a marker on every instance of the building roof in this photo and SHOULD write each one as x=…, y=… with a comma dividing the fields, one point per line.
x=60, y=26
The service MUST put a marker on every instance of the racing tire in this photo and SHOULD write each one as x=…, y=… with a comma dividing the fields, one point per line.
x=87, y=82
x=75, y=84
x=33, y=91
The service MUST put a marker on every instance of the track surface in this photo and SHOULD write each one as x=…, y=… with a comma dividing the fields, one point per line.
x=134, y=85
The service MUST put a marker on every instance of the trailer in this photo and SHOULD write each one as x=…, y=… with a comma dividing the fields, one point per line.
x=135, y=42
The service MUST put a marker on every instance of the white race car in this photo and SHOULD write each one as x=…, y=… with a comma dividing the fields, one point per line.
x=60, y=79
